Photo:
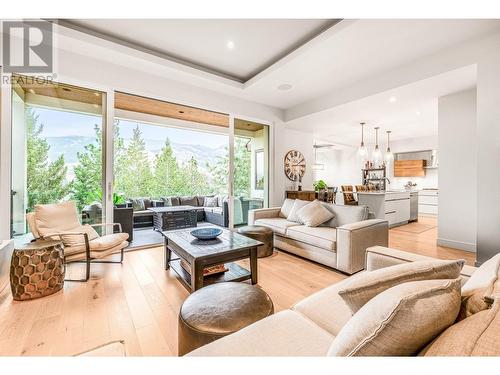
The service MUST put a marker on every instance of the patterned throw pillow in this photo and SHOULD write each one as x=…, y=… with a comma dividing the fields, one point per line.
x=138, y=204
x=167, y=201
x=211, y=201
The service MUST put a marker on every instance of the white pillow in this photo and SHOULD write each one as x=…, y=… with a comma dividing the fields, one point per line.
x=297, y=205
x=286, y=207
x=401, y=320
x=314, y=214
x=211, y=201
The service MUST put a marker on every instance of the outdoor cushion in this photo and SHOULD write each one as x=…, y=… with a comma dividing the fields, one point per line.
x=326, y=308
x=56, y=218
x=478, y=335
x=143, y=213
x=277, y=224
x=484, y=282
x=346, y=214
x=167, y=201
x=318, y=236
x=286, y=333
x=314, y=214
x=297, y=205
x=175, y=201
x=201, y=200
x=401, y=320
x=211, y=201
x=357, y=291
x=188, y=201
x=286, y=207
x=138, y=204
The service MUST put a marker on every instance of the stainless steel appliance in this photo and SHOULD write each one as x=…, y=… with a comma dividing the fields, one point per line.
x=414, y=206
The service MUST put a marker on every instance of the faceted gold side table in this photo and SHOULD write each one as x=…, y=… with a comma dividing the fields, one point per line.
x=37, y=270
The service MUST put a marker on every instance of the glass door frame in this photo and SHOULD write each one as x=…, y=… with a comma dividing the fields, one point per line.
x=6, y=149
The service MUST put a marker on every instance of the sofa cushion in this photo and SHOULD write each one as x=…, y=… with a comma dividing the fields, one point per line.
x=211, y=201
x=323, y=237
x=326, y=309
x=138, y=204
x=314, y=214
x=477, y=335
x=56, y=218
x=167, y=201
x=201, y=200
x=175, y=201
x=277, y=224
x=143, y=213
x=215, y=210
x=484, y=282
x=286, y=207
x=401, y=320
x=297, y=205
x=286, y=333
x=147, y=203
x=188, y=201
x=357, y=291
x=73, y=240
x=346, y=214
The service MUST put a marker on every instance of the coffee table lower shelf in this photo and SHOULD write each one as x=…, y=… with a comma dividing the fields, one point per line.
x=234, y=273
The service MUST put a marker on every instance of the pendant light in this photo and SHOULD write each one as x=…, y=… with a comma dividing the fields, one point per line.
x=362, y=152
x=389, y=156
x=317, y=166
x=377, y=154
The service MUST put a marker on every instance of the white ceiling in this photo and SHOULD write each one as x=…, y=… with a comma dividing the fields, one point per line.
x=345, y=54
x=414, y=113
x=203, y=43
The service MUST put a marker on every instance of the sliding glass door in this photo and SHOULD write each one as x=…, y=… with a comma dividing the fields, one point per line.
x=57, y=149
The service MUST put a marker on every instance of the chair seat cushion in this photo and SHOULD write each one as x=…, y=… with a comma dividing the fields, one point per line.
x=99, y=244
x=277, y=224
x=286, y=333
x=71, y=256
x=324, y=237
x=326, y=308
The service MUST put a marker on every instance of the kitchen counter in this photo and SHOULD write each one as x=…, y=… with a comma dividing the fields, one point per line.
x=393, y=206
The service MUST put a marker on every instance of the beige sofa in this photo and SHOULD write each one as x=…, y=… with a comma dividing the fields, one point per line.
x=340, y=243
x=309, y=327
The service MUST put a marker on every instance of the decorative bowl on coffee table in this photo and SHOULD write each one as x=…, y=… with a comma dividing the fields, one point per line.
x=206, y=233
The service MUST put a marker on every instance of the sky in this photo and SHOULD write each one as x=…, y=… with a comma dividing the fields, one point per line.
x=62, y=124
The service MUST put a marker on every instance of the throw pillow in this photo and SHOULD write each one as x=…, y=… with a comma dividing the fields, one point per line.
x=401, y=320
x=363, y=287
x=167, y=201
x=297, y=205
x=314, y=214
x=484, y=282
x=74, y=240
x=475, y=336
x=138, y=204
x=211, y=201
x=286, y=207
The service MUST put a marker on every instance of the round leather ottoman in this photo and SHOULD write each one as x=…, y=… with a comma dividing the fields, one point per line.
x=218, y=310
x=262, y=234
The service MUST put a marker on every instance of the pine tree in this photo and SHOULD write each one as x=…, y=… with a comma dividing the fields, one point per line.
x=136, y=178
x=167, y=175
x=45, y=180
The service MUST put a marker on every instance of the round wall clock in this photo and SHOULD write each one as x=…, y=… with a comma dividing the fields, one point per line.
x=295, y=165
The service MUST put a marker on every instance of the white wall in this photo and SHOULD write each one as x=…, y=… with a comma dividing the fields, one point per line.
x=341, y=167
x=457, y=170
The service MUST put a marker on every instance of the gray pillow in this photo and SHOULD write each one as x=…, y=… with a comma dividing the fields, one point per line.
x=167, y=201
x=138, y=204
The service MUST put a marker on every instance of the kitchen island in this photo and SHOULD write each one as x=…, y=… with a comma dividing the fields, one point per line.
x=393, y=206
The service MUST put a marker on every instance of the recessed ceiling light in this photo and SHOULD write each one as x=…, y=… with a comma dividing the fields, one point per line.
x=284, y=87
x=31, y=91
x=392, y=99
x=418, y=113
x=230, y=44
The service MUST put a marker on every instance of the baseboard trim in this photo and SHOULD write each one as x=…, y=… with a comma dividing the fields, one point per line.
x=466, y=246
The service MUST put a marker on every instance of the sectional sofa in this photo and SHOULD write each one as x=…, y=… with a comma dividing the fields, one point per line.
x=339, y=243
x=311, y=326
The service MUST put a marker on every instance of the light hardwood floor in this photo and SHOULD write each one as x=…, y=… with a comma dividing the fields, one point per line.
x=138, y=301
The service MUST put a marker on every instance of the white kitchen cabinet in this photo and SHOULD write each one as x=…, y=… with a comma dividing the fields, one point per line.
x=428, y=201
x=391, y=206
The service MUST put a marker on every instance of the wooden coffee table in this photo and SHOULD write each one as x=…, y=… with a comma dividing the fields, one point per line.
x=225, y=249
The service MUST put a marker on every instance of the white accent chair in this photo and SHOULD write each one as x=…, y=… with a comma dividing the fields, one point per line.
x=82, y=244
